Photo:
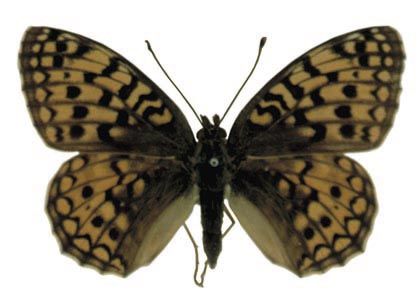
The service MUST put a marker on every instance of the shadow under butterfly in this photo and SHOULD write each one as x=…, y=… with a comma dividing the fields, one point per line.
x=140, y=171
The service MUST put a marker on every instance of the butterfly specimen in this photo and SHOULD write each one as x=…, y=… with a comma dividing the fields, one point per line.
x=140, y=170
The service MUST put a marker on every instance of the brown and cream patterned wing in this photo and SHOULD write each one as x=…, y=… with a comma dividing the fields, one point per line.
x=85, y=97
x=340, y=96
x=305, y=213
x=117, y=212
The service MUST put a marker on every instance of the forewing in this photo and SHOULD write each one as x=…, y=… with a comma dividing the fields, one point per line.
x=117, y=212
x=305, y=213
x=340, y=96
x=85, y=97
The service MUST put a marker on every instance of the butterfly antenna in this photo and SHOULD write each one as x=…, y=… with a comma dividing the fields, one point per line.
x=262, y=43
x=149, y=47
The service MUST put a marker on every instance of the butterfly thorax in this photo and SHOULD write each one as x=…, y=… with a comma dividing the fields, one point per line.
x=212, y=174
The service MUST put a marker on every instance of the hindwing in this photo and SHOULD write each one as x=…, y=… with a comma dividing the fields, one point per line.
x=117, y=212
x=305, y=213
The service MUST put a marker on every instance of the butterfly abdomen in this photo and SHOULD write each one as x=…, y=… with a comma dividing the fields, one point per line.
x=211, y=203
x=211, y=183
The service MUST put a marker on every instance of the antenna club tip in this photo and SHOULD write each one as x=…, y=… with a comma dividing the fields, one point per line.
x=148, y=45
x=263, y=41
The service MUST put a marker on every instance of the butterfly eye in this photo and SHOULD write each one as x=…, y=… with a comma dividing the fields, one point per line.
x=214, y=162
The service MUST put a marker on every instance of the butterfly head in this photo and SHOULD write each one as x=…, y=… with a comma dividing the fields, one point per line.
x=211, y=131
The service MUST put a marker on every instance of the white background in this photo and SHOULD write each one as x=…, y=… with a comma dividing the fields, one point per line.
x=208, y=47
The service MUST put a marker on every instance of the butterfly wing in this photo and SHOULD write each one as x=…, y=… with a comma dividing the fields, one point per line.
x=117, y=212
x=305, y=213
x=85, y=97
x=340, y=96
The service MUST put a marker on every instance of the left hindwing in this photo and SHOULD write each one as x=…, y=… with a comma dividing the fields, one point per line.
x=117, y=212
x=305, y=213
x=340, y=96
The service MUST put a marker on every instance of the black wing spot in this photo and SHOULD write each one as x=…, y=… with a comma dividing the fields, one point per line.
x=339, y=49
x=82, y=49
x=53, y=34
x=114, y=234
x=111, y=68
x=89, y=77
x=79, y=112
x=103, y=131
x=126, y=90
x=105, y=99
x=73, y=91
x=295, y=90
x=61, y=46
x=325, y=221
x=349, y=91
x=122, y=118
x=335, y=191
x=76, y=131
x=309, y=68
x=58, y=61
x=364, y=60
x=87, y=191
x=300, y=117
x=360, y=47
x=347, y=130
x=320, y=132
x=97, y=221
x=367, y=34
x=308, y=233
x=316, y=98
x=343, y=112
x=332, y=76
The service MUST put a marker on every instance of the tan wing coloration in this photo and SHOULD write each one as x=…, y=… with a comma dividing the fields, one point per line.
x=340, y=96
x=117, y=212
x=85, y=97
x=305, y=213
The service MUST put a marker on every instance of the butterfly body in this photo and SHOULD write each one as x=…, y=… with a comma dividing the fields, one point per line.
x=140, y=171
x=212, y=169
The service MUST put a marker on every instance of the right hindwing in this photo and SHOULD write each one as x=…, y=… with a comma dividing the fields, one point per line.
x=305, y=213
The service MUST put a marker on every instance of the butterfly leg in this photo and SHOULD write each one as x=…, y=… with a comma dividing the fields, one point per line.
x=231, y=219
x=198, y=282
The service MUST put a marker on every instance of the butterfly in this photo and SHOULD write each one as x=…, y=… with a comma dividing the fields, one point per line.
x=140, y=170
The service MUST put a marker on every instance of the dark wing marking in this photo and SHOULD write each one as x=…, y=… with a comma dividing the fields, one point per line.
x=340, y=96
x=85, y=97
